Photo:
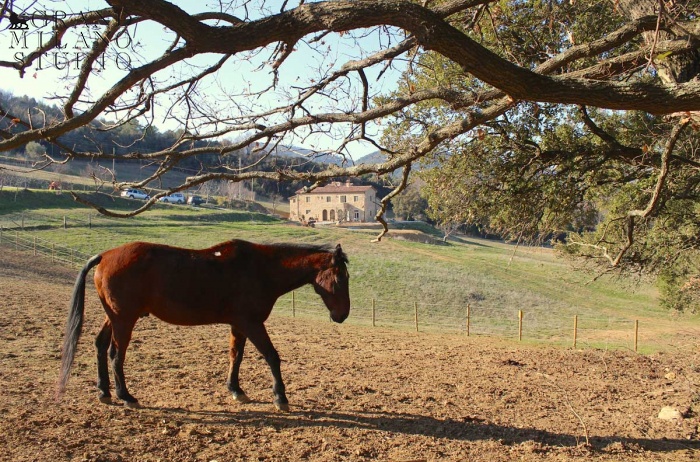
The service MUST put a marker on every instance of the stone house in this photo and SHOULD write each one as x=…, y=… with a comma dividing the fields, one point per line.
x=335, y=202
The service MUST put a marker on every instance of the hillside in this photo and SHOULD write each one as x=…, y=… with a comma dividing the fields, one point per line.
x=372, y=158
x=397, y=277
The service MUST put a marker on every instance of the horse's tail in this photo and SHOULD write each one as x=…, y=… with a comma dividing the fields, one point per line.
x=74, y=325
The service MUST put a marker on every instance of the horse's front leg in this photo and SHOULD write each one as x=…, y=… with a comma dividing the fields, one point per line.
x=236, y=347
x=258, y=335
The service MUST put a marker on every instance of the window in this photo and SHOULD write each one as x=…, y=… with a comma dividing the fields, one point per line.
x=343, y=199
x=308, y=212
x=355, y=198
x=328, y=198
x=308, y=198
x=357, y=214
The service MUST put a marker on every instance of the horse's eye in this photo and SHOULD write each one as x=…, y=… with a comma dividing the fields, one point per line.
x=342, y=273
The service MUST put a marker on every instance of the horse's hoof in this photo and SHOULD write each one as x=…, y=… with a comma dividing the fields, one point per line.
x=132, y=404
x=105, y=399
x=241, y=398
x=284, y=407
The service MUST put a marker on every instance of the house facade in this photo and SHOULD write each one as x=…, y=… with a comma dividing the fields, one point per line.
x=335, y=202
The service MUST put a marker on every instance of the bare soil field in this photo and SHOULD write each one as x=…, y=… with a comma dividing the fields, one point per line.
x=356, y=393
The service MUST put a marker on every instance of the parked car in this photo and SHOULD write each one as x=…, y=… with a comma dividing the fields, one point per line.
x=132, y=193
x=174, y=198
x=195, y=200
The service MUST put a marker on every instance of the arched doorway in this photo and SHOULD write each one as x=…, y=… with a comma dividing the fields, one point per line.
x=332, y=215
x=325, y=215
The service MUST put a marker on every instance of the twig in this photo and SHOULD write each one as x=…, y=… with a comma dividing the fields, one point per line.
x=569, y=405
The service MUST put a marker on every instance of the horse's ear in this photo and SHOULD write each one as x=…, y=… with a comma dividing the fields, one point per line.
x=338, y=255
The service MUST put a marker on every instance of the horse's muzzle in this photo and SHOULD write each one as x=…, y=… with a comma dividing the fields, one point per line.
x=339, y=317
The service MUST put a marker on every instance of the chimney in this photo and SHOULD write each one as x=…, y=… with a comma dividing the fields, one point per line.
x=348, y=183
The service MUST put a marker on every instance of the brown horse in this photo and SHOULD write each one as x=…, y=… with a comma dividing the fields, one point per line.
x=235, y=283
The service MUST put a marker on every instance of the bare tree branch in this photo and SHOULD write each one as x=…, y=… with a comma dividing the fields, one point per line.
x=345, y=104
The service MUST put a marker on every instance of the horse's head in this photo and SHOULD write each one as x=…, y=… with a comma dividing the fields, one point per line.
x=332, y=284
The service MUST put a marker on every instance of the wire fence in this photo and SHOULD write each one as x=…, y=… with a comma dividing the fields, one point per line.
x=473, y=320
x=94, y=229
x=470, y=319
x=57, y=253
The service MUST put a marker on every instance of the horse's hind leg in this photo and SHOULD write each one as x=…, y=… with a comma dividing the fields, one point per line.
x=121, y=336
x=236, y=347
x=102, y=342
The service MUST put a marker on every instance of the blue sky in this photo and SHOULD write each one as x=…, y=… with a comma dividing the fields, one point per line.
x=147, y=40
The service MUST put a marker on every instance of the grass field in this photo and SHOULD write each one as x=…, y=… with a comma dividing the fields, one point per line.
x=494, y=279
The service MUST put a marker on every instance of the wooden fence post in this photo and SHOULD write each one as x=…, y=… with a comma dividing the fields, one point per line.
x=575, y=328
x=636, y=333
x=65, y=223
x=520, y=325
x=374, y=313
x=415, y=311
x=468, y=317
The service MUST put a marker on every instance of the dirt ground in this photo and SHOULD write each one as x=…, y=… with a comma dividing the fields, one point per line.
x=356, y=393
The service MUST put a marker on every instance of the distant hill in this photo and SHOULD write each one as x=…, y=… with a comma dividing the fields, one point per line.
x=372, y=158
x=308, y=154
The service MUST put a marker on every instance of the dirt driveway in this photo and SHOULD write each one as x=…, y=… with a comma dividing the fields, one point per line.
x=356, y=393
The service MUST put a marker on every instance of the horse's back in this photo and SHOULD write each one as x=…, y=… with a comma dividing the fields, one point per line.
x=180, y=286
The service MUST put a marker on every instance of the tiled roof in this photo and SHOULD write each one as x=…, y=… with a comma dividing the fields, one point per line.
x=337, y=188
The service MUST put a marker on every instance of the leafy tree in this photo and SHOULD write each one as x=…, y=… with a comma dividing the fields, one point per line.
x=558, y=110
x=34, y=150
x=623, y=185
x=409, y=205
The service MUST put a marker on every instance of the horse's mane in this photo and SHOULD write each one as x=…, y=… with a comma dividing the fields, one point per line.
x=312, y=248
x=309, y=247
x=326, y=248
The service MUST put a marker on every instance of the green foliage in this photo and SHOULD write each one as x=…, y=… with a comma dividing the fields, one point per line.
x=529, y=32
x=410, y=205
x=543, y=171
x=679, y=290
x=34, y=150
x=509, y=185
x=548, y=172
x=492, y=177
